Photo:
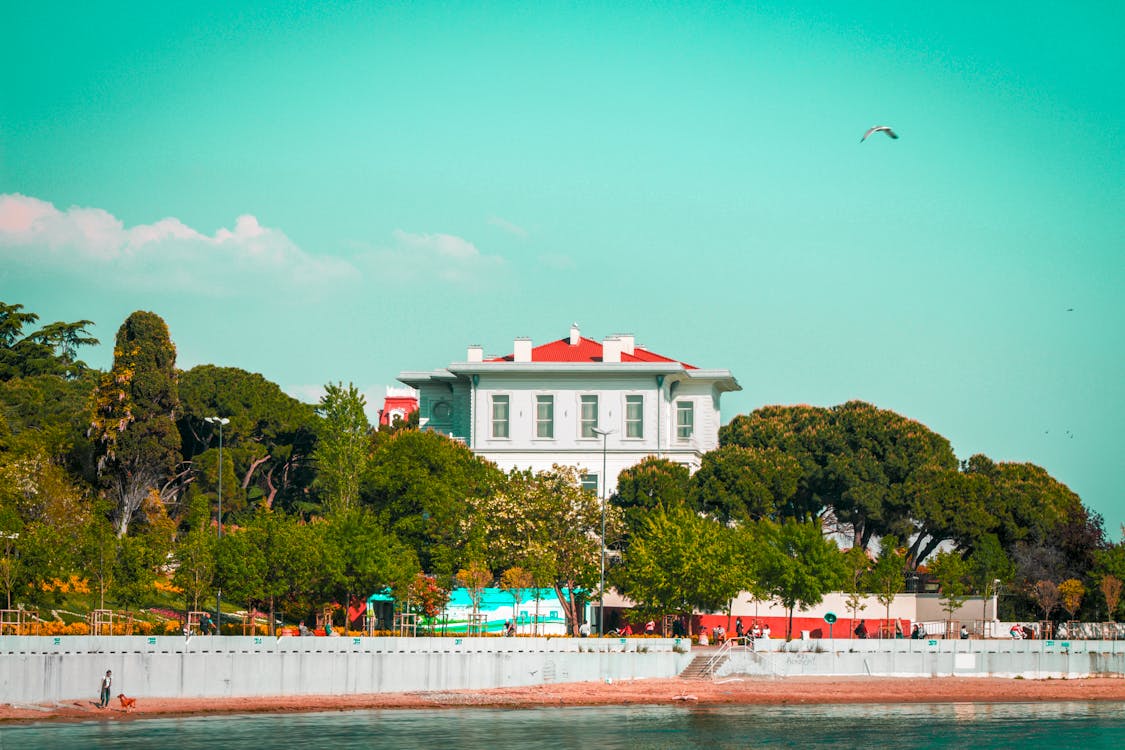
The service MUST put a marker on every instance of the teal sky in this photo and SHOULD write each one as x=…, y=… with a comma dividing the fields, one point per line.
x=414, y=178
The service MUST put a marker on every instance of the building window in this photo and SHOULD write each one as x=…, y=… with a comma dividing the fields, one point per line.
x=442, y=411
x=685, y=419
x=634, y=416
x=589, y=416
x=544, y=416
x=500, y=416
x=590, y=483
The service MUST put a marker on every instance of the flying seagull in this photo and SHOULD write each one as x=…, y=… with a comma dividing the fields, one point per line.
x=879, y=129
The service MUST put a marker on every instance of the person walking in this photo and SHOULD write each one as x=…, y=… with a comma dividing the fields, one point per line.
x=107, y=686
x=738, y=629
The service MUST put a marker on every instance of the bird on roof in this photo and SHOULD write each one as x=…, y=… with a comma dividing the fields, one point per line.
x=879, y=129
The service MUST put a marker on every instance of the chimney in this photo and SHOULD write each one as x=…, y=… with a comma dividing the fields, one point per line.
x=522, y=350
x=611, y=349
x=626, y=343
x=574, y=334
x=475, y=354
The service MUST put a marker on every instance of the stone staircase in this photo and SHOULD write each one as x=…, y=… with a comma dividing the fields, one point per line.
x=703, y=666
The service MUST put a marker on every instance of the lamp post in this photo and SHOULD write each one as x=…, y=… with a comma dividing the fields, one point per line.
x=219, y=590
x=601, y=586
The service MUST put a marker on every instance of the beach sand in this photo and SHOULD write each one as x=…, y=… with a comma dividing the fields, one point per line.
x=674, y=691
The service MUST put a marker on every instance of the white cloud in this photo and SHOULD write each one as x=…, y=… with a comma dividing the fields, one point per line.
x=507, y=226
x=444, y=257
x=37, y=234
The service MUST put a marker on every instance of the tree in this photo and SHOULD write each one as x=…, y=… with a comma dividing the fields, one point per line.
x=423, y=487
x=1046, y=595
x=951, y=571
x=267, y=443
x=516, y=581
x=195, y=565
x=799, y=565
x=680, y=562
x=737, y=484
x=1071, y=591
x=341, y=448
x=1110, y=587
x=643, y=487
x=856, y=566
x=886, y=578
x=474, y=579
x=548, y=523
x=989, y=567
x=240, y=567
x=51, y=350
x=946, y=505
x=133, y=417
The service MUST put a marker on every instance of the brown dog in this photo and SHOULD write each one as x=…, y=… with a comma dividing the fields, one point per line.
x=127, y=703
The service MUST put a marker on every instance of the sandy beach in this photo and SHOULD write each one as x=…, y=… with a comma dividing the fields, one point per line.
x=732, y=691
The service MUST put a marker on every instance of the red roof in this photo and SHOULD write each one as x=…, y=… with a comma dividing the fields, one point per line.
x=586, y=350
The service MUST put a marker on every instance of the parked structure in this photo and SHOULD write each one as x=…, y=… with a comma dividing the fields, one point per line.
x=547, y=404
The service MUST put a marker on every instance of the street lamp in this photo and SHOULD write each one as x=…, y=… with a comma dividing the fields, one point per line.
x=219, y=589
x=601, y=586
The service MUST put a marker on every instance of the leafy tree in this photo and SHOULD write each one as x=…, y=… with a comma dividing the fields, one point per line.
x=1046, y=595
x=643, y=487
x=341, y=449
x=680, y=562
x=856, y=566
x=366, y=558
x=423, y=485
x=951, y=571
x=989, y=567
x=240, y=567
x=268, y=441
x=134, y=572
x=195, y=566
x=737, y=484
x=517, y=581
x=799, y=565
x=946, y=505
x=1071, y=591
x=51, y=350
x=474, y=579
x=1110, y=587
x=547, y=522
x=886, y=578
x=133, y=411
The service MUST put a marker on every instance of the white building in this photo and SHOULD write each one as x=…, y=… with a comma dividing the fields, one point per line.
x=544, y=405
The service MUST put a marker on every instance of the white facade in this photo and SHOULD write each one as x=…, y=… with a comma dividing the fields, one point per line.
x=541, y=406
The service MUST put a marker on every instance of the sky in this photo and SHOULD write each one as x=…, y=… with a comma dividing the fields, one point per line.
x=337, y=192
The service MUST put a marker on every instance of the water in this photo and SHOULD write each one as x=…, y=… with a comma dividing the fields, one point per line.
x=957, y=725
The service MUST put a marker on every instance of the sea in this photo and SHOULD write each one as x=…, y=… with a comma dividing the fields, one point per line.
x=1083, y=725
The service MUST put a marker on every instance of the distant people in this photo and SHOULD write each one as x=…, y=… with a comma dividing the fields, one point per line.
x=584, y=630
x=678, y=628
x=703, y=639
x=510, y=628
x=861, y=630
x=650, y=628
x=206, y=627
x=719, y=633
x=1028, y=633
x=898, y=629
x=107, y=685
x=964, y=633
x=738, y=629
x=303, y=629
x=766, y=631
x=916, y=632
x=756, y=630
x=627, y=630
x=328, y=628
x=1016, y=632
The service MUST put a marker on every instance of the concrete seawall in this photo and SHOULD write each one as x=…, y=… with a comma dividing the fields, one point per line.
x=929, y=658
x=36, y=669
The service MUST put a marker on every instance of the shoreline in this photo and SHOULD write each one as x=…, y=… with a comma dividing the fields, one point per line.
x=731, y=691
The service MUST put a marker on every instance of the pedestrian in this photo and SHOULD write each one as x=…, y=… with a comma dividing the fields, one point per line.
x=964, y=633
x=584, y=630
x=861, y=630
x=107, y=685
x=206, y=627
x=738, y=629
x=898, y=628
x=650, y=628
x=303, y=629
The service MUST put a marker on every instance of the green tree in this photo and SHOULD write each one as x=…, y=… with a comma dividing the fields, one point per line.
x=799, y=565
x=517, y=582
x=423, y=486
x=134, y=572
x=132, y=422
x=951, y=571
x=50, y=350
x=856, y=566
x=268, y=442
x=341, y=448
x=737, y=484
x=886, y=579
x=680, y=562
x=643, y=487
x=989, y=567
x=195, y=566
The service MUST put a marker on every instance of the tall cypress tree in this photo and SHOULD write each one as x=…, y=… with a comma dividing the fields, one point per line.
x=133, y=420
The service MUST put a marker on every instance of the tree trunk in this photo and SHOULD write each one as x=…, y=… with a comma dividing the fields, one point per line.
x=789, y=626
